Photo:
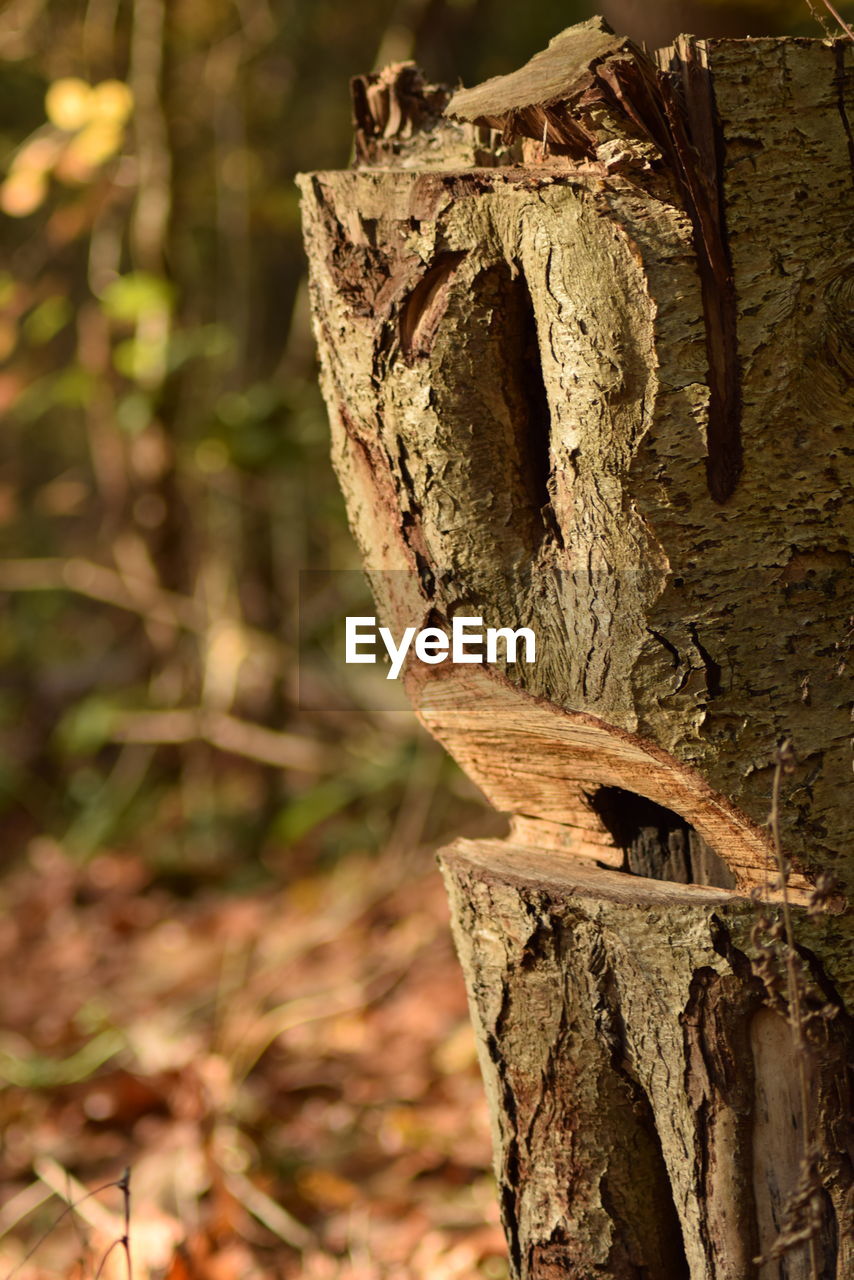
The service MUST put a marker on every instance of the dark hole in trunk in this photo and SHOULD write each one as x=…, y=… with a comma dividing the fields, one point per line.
x=658, y=843
x=653, y=1241
x=535, y=426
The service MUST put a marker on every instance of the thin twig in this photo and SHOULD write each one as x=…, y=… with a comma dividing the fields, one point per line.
x=823, y=23
x=225, y=732
x=103, y=1261
x=839, y=18
x=124, y=1185
x=61, y=1183
x=47, y=1171
x=97, y=582
x=820, y=19
x=270, y=1214
x=22, y=1204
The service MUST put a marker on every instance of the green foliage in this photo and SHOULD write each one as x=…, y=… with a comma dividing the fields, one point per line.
x=46, y=319
x=136, y=296
x=37, y=1071
x=163, y=454
x=86, y=726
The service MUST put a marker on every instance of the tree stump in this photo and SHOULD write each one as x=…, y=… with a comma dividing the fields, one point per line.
x=587, y=343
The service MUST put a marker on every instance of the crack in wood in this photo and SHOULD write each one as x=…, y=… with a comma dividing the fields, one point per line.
x=560, y=95
x=840, y=48
x=687, y=95
x=421, y=311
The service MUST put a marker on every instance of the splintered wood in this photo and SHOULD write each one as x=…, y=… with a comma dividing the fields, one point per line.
x=587, y=343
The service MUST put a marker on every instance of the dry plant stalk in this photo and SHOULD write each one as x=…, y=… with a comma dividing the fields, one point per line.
x=801, y=1216
x=831, y=9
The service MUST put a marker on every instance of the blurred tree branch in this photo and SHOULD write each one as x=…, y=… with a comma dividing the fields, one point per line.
x=123, y=591
x=226, y=733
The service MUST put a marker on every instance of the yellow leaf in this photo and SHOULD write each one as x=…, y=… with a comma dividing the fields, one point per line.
x=112, y=100
x=68, y=103
x=22, y=192
x=93, y=145
x=326, y=1189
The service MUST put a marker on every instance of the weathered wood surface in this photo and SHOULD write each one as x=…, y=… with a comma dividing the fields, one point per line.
x=517, y=363
x=647, y=1119
x=587, y=343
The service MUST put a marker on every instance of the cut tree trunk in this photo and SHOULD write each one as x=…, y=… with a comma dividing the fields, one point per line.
x=587, y=342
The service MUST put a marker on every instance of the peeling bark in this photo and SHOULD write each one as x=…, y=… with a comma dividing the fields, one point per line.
x=586, y=341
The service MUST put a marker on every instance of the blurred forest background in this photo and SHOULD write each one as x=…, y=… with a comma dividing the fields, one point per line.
x=223, y=939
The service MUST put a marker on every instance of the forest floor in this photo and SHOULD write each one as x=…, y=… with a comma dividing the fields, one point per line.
x=289, y=1075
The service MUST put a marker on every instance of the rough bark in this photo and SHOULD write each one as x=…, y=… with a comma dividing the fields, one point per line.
x=587, y=344
x=647, y=1119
